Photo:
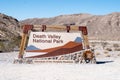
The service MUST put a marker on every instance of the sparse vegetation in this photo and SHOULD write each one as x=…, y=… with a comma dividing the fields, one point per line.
x=115, y=45
x=108, y=55
x=104, y=44
x=9, y=28
x=106, y=52
x=93, y=45
x=2, y=46
x=118, y=54
x=97, y=25
x=108, y=49
x=97, y=53
x=117, y=49
x=9, y=45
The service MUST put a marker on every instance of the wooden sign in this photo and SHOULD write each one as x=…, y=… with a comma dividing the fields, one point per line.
x=48, y=44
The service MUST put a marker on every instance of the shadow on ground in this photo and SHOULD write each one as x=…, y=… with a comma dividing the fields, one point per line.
x=103, y=62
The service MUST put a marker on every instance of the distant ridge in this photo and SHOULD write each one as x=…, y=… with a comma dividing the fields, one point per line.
x=31, y=47
x=100, y=27
x=78, y=40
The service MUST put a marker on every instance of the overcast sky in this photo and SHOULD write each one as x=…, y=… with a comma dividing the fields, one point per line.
x=23, y=9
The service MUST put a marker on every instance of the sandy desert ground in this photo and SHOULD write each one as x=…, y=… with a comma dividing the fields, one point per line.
x=107, y=68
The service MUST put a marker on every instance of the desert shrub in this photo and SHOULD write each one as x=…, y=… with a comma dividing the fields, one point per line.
x=9, y=45
x=93, y=45
x=2, y=46
x=106, y=52
x=115, y=45
x=117, y=49
x=118, y=54
x=108, y=49
x=104, y=44
x=97, y=53
x=108, y=55
x=72, y=23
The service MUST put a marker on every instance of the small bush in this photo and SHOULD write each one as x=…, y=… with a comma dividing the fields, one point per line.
x=109, y=49
x=97, y=53
x=108, y=55
x=117, y=49
x=118, y=54
x=115, y=45
x=106, y=52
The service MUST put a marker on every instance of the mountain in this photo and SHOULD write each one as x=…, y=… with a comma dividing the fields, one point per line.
x=101, y=27
x=9, y=32
x=8, y=24
x=31, y=47
x=68, y=48
x=78, y=40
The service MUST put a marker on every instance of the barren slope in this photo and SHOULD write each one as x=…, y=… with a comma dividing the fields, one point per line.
x=105, y=27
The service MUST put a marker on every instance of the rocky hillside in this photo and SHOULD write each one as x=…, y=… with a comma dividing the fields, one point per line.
x=101, y=27
x=105, y=27
x=9, y=32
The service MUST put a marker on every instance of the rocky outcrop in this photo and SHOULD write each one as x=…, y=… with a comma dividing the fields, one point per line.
x=9, y=32
x=9, y=27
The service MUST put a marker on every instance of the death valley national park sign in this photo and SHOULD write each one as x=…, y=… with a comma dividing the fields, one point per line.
x=48, y=44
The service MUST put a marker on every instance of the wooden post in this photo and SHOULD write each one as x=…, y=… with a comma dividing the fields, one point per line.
x=26, y=29
x=68, y=28
x=83, y=29
x=43, y=28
